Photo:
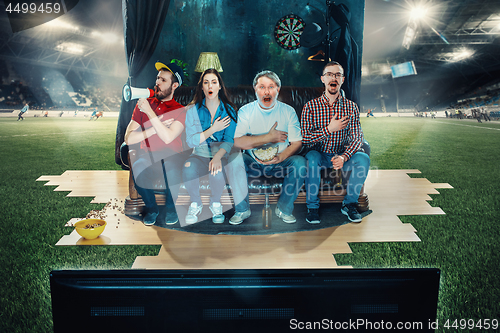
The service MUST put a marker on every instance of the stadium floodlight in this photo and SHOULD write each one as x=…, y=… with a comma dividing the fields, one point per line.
x=110, y=38
x=496, y=29
x=68, y=47
x=418, y=13
x=411, y=32
x=461, y=54
x=59, y=24
x=106, y=37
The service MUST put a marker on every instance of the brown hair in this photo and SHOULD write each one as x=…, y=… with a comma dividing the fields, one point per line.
x=333, y=63
x=223, y=94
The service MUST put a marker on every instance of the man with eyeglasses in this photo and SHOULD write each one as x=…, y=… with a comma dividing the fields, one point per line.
x=269, y=121
x=332, y=132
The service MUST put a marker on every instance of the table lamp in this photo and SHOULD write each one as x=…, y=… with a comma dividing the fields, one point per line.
x=208, y=60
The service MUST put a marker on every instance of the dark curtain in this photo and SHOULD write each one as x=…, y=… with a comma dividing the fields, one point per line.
x=346, y=53
x=142, y=24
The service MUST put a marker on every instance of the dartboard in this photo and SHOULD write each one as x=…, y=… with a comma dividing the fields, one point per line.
x=288, y=30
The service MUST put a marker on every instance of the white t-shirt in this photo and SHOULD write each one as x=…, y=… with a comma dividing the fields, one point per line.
x=254, y=120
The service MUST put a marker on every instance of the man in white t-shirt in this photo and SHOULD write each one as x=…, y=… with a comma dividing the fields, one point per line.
x=265, y=121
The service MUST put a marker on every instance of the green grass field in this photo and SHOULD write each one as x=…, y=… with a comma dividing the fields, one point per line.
x=463, y=243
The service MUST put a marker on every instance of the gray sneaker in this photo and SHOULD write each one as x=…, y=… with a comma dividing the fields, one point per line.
x=239, y=217
x=217, y=216
x=286, y=218
x=193, y=212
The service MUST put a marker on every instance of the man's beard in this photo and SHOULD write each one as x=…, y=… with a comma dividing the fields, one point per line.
x=163, y=94
x=267, y=107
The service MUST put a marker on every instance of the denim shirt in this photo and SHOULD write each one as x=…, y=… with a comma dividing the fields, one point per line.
x=198, y=120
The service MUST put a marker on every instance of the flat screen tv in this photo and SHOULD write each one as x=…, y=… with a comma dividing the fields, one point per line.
x=244, y=300
x=403, y=69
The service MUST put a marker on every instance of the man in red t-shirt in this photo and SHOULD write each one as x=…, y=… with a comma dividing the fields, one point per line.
x=155, y=133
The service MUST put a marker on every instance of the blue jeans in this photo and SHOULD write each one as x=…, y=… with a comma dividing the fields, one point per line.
x=358, y=164
x=237, y=177
x=146, y=175
x=293, y=170
x=196, y=167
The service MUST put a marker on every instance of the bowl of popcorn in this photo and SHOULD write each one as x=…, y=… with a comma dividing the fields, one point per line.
x=90, y=228
x=266, y=152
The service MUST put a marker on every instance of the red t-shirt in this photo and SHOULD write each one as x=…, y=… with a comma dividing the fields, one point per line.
x=174, y=110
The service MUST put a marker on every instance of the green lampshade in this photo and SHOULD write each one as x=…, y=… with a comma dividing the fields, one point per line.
x=208, y=60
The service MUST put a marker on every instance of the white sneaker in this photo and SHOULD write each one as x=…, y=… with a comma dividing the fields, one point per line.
x=286, y=218
x=216, y=209
x=193, y=212
x=239, y=217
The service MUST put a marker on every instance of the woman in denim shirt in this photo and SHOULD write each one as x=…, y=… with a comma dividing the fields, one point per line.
x=210, y=125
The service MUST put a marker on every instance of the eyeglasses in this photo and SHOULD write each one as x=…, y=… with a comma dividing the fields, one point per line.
x=336, y=75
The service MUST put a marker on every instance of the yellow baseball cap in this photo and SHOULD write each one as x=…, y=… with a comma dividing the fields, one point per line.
x=172, y=68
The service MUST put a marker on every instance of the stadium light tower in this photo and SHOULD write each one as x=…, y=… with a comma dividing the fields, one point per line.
x=417, y=13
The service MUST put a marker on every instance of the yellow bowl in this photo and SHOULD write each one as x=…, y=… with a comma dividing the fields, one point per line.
x=88, y=230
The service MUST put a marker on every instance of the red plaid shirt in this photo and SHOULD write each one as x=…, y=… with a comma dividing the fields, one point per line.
x=316, y=116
